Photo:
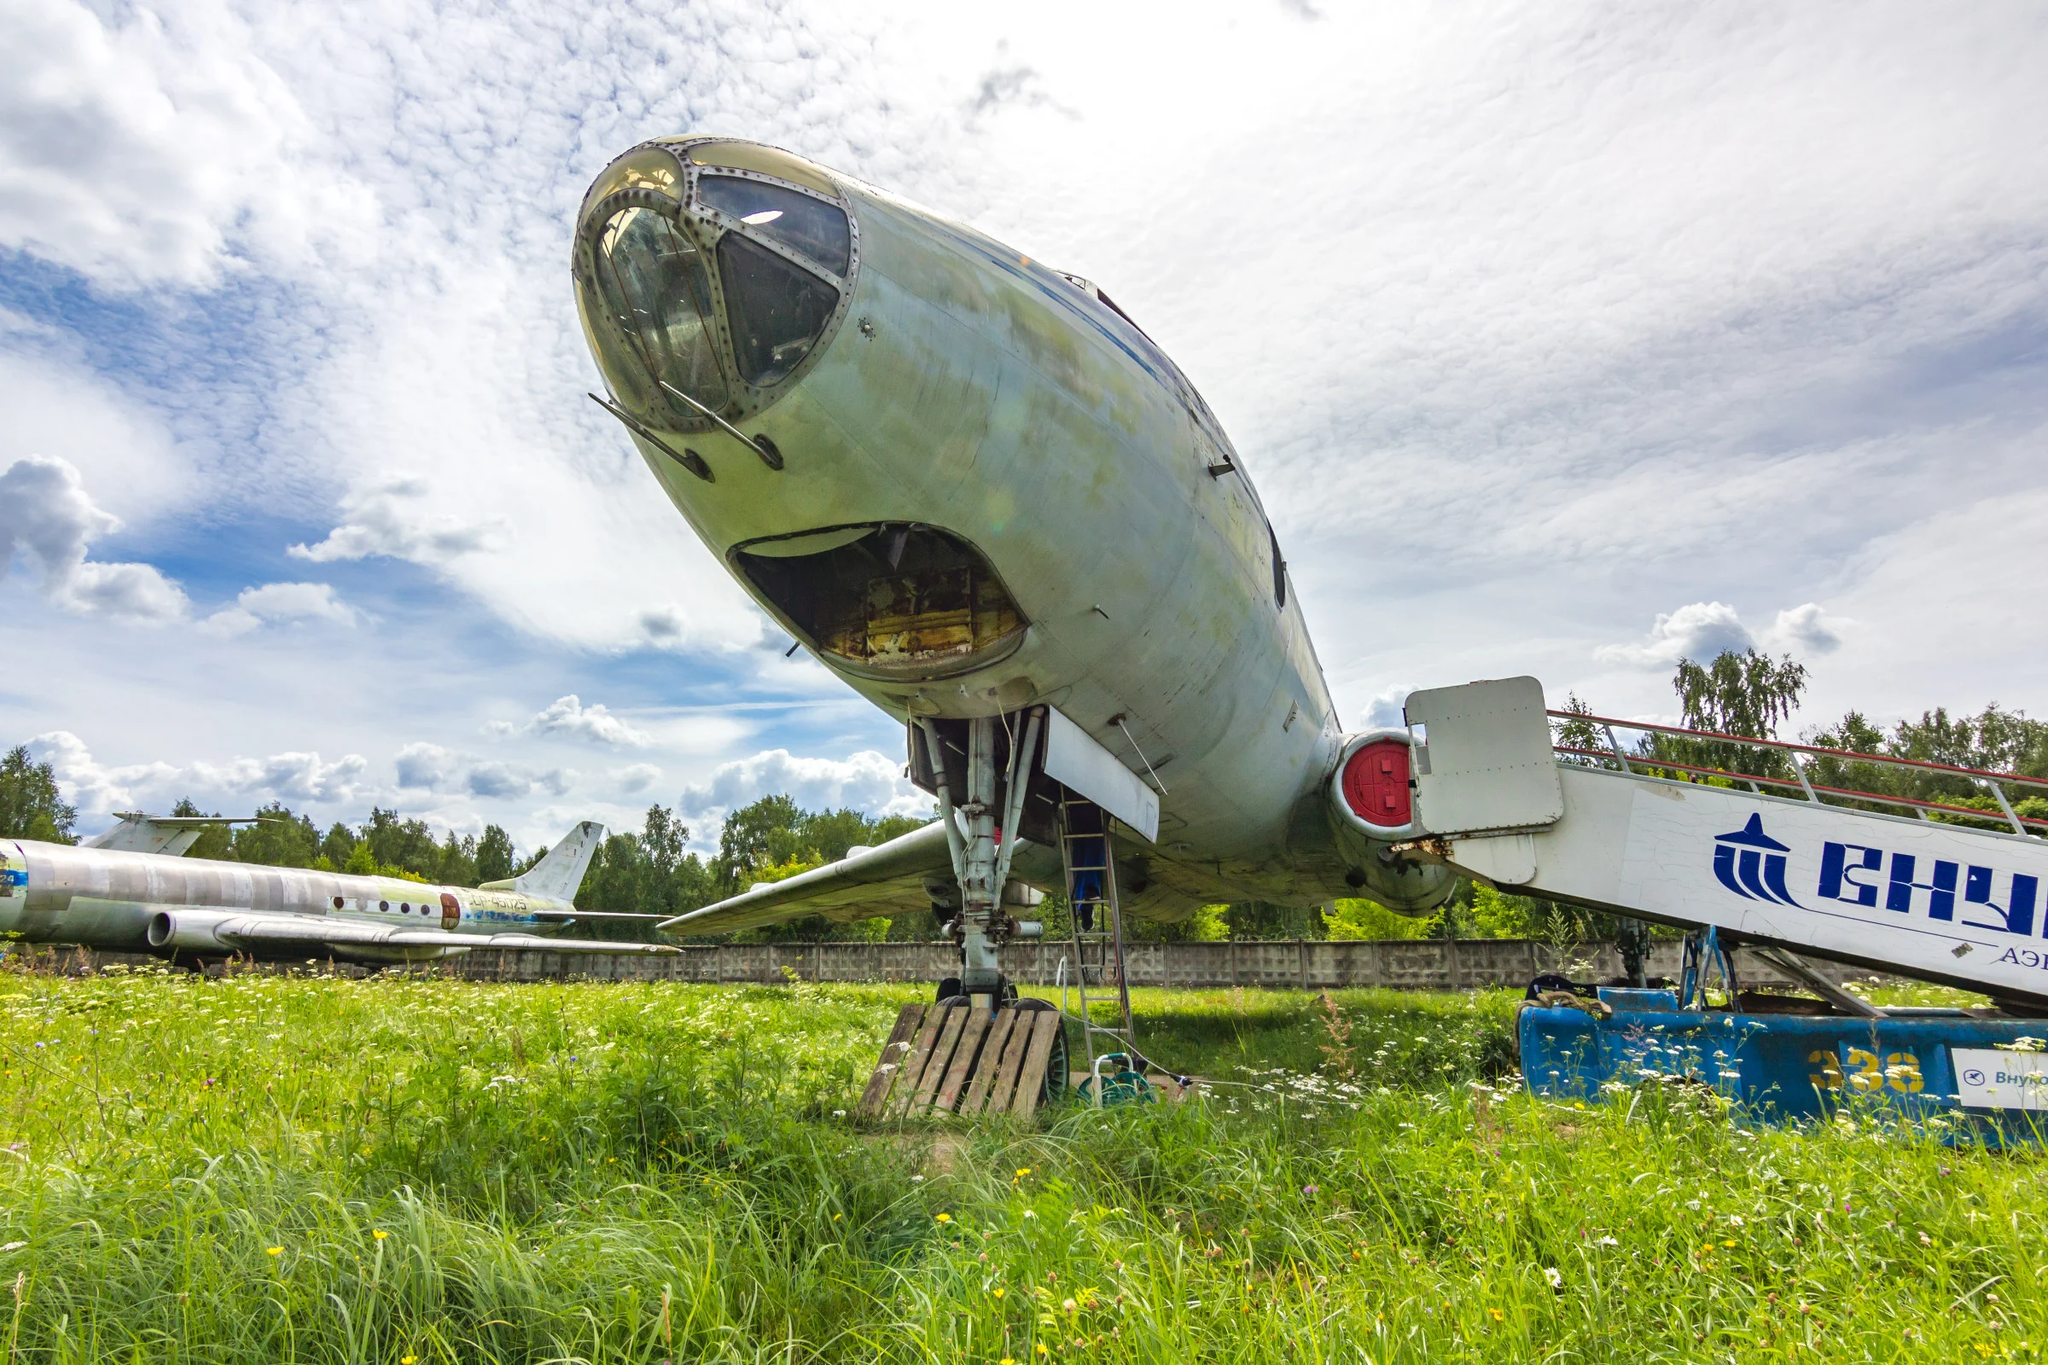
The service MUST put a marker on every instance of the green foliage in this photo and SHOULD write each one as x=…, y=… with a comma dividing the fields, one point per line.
x=407, y=844
x=494, y=855
x=774, y=838
x=1737, y=694
x=31, y=806
x=775, y=832
x=756, y=836
x=278, y=839
x=1995, y=739
x=1363, y=919
x=646, y=873
x=1208, y=924
x=360, y=863
x=339, y=843
x=457, y=861
x=631, y=1173
x=1268, y=919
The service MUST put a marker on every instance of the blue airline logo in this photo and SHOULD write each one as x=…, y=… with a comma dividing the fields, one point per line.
x=1752, y=865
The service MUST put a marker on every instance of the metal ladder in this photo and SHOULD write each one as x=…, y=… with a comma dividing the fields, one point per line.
x=1096, y=921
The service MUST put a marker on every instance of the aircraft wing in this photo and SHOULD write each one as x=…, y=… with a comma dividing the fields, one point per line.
x=887, y=879
x=592, y=914
x=229, y=928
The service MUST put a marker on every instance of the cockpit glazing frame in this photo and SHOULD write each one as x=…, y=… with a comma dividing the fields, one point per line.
x=671, y=190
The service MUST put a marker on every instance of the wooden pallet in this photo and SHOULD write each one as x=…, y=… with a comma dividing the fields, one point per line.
x=953, y=1059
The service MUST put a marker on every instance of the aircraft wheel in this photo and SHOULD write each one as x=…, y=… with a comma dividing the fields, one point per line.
x=1058, y=1064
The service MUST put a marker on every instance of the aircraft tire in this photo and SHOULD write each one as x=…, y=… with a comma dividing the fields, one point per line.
x=1057, y=1065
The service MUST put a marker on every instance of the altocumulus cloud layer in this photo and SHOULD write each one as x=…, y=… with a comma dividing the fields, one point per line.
x=1565, y=341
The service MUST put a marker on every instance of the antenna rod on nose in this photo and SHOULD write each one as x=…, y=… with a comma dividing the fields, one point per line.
x=769, y=455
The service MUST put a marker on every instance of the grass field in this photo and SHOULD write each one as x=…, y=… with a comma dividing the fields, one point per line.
x=266, y=1168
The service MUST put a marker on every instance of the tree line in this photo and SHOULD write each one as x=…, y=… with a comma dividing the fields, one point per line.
x=648, y=871
x=652, y=871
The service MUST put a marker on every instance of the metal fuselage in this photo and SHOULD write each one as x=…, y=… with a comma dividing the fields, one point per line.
x=966, y=387
x=108, y=899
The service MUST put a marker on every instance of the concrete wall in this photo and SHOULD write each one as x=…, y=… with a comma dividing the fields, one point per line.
x=1298, y=964
x=1285, y=964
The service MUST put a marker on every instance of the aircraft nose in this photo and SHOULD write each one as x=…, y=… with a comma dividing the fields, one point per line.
x=706, y=290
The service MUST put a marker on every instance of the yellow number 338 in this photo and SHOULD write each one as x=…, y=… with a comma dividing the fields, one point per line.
x=1899, y=1070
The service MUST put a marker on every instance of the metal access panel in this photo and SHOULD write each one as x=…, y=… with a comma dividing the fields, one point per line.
x=1073, y=757
x=1484, y=762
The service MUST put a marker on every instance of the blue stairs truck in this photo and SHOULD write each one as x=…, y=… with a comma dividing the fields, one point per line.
x=1766, y=868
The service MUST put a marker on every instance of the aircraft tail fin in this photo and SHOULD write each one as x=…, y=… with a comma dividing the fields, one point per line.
x=560, y=873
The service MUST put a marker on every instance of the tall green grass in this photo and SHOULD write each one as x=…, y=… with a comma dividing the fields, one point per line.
x=267, y=1168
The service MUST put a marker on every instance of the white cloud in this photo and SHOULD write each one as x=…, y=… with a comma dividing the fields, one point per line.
x=569, y=716
x=1385, y=711
x=116, y=439
x=867, y=780
x=293, y=777
x=94, y=788
x=1700, y=631
x=398, y=518
x=427, y=765
x=149, y=151
x=634, y=777
x=432, y=767
x=289, y=777
x=46, y=514
x=1804, y=629
x=281, y=604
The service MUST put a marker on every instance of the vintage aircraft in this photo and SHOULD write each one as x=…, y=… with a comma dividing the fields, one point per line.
x=129, y=889
x=976, y=491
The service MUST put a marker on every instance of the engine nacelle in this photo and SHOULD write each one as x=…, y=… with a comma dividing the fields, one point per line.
x=191, y=930
x=1372, y=807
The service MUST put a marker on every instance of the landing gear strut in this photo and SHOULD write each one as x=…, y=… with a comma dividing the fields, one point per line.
x=980, y=865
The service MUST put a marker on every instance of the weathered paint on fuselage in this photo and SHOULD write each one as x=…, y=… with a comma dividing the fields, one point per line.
x=975, y=390
x=59, y=893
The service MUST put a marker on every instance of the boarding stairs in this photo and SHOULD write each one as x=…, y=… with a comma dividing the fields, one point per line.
x=1778, y=862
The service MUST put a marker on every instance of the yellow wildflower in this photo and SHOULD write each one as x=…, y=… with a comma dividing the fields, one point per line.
x=277, y=1251
x=1497, y=1315
x=380, y=1234
x=997, y=1291
x=945, y=1218
x=1023, y=1171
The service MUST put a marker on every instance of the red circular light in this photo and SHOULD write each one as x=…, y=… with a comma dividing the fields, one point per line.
x=1376, y=784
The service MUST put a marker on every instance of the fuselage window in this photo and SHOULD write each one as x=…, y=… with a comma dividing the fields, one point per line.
x=337, y=902
x=805, y=225
x=404, y=908
x=776, y=310
x=384, y=906
x=653, y=284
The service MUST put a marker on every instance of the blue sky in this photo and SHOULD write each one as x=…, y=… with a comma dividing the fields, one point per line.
x=1560, y=341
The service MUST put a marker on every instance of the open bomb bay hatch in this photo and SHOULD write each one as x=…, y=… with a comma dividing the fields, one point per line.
x=885, y=600
x=708, y=274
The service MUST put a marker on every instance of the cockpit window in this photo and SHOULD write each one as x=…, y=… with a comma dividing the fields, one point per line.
x=803, y=224
x=652, y=280
x=776, y=310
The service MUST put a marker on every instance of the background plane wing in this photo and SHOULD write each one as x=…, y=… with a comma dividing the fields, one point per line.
x=887, y=879
x=592, y=914
x=232, y=928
